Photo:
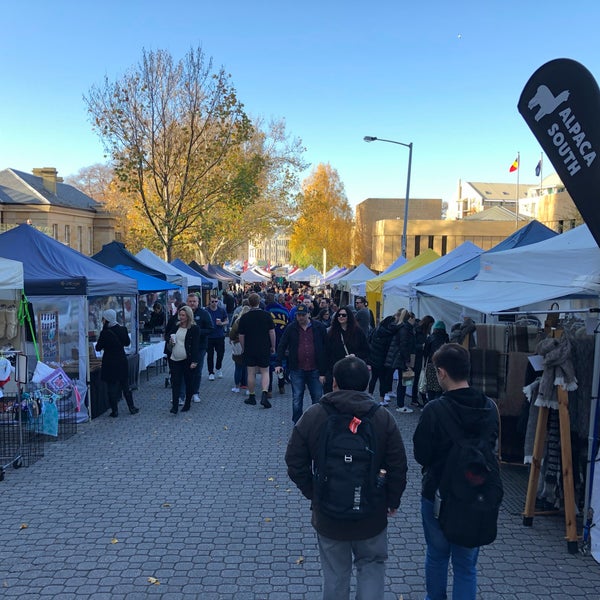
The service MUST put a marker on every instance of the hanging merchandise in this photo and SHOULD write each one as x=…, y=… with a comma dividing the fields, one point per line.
x=23, y=315
x=5, y=372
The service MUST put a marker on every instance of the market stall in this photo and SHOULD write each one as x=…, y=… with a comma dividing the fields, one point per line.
x=67, y=292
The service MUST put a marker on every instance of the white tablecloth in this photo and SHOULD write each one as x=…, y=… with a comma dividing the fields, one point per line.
x=150, y=354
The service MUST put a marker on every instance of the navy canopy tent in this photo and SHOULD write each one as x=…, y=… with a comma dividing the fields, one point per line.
x=208, y=283
x=115, y=253
x=51, y=268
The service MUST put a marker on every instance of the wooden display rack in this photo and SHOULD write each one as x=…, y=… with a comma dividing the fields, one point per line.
x=567, y=468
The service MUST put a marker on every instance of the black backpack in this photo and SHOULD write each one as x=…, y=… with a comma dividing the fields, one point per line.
x=470, y=488
x=345, y=473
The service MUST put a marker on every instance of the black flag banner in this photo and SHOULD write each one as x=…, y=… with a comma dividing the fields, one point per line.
x=561, y=105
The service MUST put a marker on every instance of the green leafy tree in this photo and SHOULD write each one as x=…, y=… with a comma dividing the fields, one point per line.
x=325, y=220
x=172, y=129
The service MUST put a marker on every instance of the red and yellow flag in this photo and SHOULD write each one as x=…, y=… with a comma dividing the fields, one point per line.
x=514, y=166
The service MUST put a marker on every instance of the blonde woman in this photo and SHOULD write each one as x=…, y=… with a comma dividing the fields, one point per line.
x=184, y=357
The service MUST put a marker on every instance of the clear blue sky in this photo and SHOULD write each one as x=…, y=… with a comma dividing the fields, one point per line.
x=444, y=75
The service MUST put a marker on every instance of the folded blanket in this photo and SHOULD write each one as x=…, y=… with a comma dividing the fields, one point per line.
x=484, y=371
x=511, y=401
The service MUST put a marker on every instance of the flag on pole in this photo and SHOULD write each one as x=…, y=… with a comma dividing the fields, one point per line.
x=514, y=166
x=538, y=169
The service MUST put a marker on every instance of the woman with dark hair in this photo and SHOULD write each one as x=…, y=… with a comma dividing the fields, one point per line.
x=434, y=342
x=324, y=316
x=399, y=354
x=422, y=330
x=344, y=338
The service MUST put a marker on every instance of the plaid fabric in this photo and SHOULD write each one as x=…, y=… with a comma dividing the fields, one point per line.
x=484, y=371
x=522, y=338
x=510, y=402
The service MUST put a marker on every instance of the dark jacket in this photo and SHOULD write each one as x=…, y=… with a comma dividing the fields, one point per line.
x=381, y=340
x=433, y=343
x=289, y=343
x=358, y=345
x=113, y=341
x=192, y=345
x=402, y=346
x=303, y=450
x=201, y=319
x=431, y=440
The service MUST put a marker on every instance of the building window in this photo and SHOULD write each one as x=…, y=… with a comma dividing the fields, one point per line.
x=79, y=238
x=55, y=231
x=90, y=242
x=68, y=235
x=417, y=245
x=430, y=244
x=444, y=245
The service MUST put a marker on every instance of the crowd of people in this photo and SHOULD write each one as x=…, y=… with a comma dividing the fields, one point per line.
x=341, y=355
x=299, y=342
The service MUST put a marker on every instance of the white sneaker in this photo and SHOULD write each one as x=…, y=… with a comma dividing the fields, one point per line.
x=387, y=397
x=181, y=401
x=404, y=409
x=384, y=402
x=211, y=377
x=392, y=394
x=235, y=390
x=196, y=398
x=219, y=374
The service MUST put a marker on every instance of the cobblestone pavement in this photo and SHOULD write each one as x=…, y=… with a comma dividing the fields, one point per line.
x=201, y=503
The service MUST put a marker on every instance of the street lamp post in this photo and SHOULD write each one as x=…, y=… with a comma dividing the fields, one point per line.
x=370, y=138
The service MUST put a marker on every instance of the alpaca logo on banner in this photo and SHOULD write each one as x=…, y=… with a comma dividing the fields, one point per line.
x=546, y=101
x=569, y=141
x=561, y=103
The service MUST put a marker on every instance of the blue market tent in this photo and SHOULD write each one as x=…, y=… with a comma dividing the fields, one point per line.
x=115, y=253
x=51, y=268
x=219, y=273
x=146, y=283
x=208, y=283
x=397, y=263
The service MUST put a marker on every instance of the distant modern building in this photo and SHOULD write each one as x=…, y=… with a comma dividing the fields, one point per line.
x=56, y=208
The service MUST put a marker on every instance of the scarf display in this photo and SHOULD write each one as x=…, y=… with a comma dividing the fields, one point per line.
x=558, y=370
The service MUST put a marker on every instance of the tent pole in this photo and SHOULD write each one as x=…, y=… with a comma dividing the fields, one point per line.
x=591, y=436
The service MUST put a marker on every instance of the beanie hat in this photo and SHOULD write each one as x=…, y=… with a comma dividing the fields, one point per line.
x=439, y=325
x=110, y=316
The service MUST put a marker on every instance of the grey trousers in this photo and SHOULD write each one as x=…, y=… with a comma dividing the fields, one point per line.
x=336, y=563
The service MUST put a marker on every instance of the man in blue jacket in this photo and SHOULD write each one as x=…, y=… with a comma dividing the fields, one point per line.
x=303, y=342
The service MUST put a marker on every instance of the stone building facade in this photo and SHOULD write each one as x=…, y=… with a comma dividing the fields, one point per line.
x=59, y=210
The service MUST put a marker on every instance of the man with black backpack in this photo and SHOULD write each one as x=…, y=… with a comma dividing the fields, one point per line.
x=461, y=490
x=347, y=457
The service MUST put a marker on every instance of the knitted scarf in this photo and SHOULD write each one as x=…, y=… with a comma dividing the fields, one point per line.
x=558, y=370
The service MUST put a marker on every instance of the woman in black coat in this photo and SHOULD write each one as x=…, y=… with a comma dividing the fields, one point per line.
x=114, y=371
x=434, y=342
x=183, y=349
x=380, y=344
x=399, y=354
x=422, y=330
x=344, y=338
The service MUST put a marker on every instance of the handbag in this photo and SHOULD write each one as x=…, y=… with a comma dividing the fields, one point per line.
x=433, y=385
x=408, y=374
x=422, y=386
x=236, y=349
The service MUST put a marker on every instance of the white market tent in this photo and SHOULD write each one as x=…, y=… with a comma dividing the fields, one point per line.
x=251, y=276
x=565, y=266
x=174, y=275
x=400, y=292
x=361, y=274
x=305, y=274
x=11, y=277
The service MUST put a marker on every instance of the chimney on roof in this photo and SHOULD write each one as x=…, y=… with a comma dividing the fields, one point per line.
x=49, y=177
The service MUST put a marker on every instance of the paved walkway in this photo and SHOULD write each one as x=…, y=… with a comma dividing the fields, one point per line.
x=199, y=506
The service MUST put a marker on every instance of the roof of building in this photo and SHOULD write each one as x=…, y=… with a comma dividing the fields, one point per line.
x=499, y=192
x=496, y=213
x=17, y=187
